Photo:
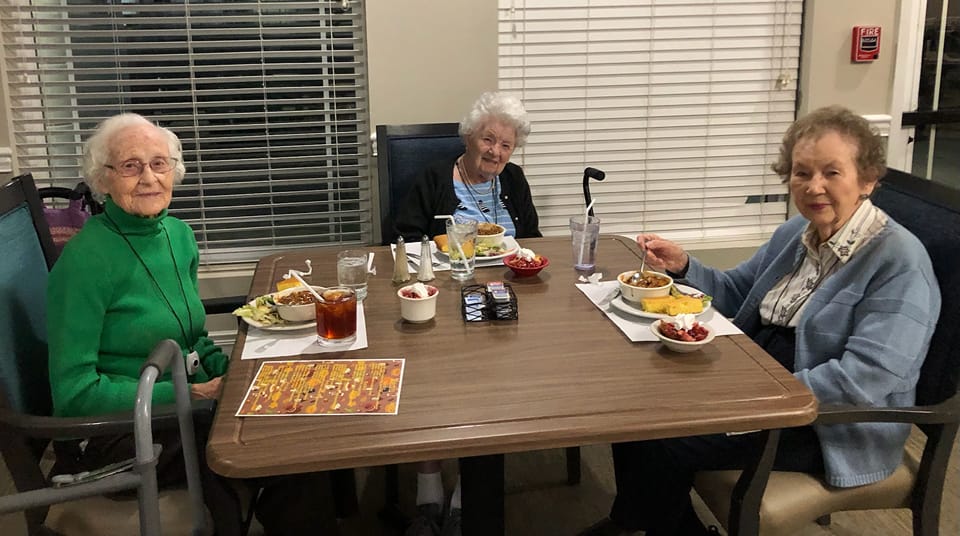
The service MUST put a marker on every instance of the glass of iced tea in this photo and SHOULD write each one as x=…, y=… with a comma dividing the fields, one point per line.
x=337, y=316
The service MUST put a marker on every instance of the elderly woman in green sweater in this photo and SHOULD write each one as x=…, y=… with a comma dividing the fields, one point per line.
x=127, y=280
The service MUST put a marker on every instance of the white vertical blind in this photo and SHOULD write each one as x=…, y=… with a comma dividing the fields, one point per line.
x=268, y=98
x=682, y=103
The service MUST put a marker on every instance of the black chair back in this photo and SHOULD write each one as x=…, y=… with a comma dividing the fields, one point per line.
x=931, y=211
x=403, y=151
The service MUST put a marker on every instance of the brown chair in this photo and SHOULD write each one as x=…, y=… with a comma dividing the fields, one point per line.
x=758, y=501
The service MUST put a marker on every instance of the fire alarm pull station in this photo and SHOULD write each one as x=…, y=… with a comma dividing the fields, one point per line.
x=866, y=43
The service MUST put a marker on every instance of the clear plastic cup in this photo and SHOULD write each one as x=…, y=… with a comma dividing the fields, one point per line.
x=461, y=241
x=584, y=234
x=352, y=271
x=337, y=316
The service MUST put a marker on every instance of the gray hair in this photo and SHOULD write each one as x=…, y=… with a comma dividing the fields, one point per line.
x=496, y=105
x=96, y=151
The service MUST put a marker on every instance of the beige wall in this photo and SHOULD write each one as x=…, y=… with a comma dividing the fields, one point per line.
x=429, y=59
x=827, y=76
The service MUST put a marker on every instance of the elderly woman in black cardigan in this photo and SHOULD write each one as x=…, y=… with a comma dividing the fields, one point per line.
x=481, y=183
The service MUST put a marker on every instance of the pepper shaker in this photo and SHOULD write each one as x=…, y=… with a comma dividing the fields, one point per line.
x=400, y=272
x=425, y=272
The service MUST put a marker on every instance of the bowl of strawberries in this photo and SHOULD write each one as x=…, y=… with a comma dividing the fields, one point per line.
x=682, y=333
x=525, y=262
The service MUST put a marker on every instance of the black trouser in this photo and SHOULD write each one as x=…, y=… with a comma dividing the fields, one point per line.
x=654, y=478
x=286, y=505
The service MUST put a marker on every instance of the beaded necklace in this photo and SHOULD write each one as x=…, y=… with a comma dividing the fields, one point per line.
x=474, y=192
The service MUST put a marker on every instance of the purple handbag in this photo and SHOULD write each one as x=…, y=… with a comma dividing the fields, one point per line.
x=64, y=222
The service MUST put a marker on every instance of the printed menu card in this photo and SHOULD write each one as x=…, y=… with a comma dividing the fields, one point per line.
x=325, y=387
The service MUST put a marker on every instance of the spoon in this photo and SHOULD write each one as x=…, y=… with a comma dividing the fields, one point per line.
x=635, y=278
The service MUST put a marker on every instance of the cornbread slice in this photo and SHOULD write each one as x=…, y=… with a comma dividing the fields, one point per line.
x=672, y=305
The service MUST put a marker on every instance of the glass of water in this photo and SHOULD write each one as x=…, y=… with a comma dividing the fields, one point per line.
x=352, y=271
x=461, y=237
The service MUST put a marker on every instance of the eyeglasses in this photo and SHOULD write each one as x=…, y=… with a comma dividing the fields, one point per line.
x=133, y=167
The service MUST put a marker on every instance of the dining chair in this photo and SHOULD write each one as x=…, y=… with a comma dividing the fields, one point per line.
x=758, y=501
x=27, y=426
x=403, y=151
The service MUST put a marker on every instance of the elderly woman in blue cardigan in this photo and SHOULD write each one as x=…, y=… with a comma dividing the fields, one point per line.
x=842, y=296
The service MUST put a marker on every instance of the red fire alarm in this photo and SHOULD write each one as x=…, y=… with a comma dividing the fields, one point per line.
x=866, y=43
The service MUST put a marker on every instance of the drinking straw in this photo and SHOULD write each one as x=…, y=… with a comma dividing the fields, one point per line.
x=586, y=220
x=453, y=239
x=296, y=275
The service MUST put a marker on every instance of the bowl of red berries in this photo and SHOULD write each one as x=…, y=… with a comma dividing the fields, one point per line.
x=418, y=302
x=525, y=262
x=682, y=333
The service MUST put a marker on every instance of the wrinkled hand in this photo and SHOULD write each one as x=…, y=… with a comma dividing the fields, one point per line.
x=663, y=254
x=207, y=391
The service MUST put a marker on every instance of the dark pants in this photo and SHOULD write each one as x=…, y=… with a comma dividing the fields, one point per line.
x=654, y=478
x=286, y=505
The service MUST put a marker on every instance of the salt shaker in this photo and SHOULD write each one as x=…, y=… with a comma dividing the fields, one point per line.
x=425, y=273
x=400, y=272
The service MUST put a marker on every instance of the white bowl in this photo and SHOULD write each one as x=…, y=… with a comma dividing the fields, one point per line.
x=491, y=240
x=296, y=313
x=681, y=346
x=635, y=294
x=418, y=310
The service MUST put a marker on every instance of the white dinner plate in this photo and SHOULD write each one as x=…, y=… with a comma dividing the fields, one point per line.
x=286, y=326
x=509, y=243
x=634, y=309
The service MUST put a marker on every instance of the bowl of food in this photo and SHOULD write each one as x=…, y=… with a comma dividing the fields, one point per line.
x=489, y=235
x=636, y=285
x=526, y=263
x=682, y=333
x=296, y=304
x=418, y=302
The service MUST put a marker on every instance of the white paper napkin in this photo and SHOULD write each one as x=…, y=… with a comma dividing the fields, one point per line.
x=637, y=328
x=262, y=343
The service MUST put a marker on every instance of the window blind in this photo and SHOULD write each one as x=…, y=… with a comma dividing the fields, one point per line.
x=682, y=103
x=269, y=99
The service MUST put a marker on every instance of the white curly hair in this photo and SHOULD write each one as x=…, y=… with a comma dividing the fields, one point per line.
x=501, y=106
x=96, y=151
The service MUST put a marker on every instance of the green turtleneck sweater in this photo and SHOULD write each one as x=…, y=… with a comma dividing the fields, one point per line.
x=105, y=312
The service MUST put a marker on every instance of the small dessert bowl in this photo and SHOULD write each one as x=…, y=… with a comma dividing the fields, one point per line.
x=682, y=346
x=524, y=269
x=296, y=304
x=650, y=285
x=418, y=302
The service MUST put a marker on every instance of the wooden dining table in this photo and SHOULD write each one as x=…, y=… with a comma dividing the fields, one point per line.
x=560, y=375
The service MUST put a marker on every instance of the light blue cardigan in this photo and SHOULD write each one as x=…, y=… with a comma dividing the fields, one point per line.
x=861, y=339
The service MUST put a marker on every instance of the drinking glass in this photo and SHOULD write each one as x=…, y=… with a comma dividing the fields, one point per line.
x=352, y=271
x=584, y=233
x=461, y=238
x=337, y=316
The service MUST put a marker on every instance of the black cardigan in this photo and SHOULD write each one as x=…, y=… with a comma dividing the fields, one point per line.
x=433, y=194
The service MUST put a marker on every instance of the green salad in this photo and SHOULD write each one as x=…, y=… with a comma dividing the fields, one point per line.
x=262, y=310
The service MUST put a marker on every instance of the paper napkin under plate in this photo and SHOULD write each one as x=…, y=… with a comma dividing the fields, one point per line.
x=261, y=344
x=636, y=328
